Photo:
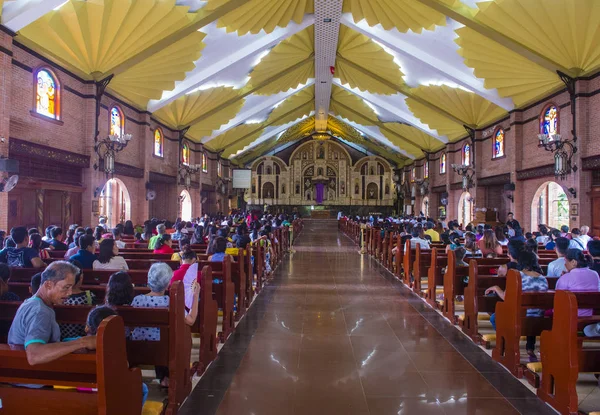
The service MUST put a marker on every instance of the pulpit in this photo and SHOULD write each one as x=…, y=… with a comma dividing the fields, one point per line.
x=486, y=215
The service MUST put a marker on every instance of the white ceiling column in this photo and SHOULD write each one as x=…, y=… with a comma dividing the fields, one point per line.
x=18, y=14
x=327, y=28
x=249, y=113
x=392, y=40
x=208, y=73
x=404, y=116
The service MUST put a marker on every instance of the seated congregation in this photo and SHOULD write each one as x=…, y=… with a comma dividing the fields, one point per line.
x=83, y=316
x=532, y=298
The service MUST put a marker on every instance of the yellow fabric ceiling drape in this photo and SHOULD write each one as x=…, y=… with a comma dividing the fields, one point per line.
x=286, y=54
x=257, y=15
x=362, y=51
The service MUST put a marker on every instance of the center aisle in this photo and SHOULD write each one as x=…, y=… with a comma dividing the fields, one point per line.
x=335, y=334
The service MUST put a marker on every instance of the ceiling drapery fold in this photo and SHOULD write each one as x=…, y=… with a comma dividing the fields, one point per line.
x=286, y=54
x=265, y=15
x=364, y=52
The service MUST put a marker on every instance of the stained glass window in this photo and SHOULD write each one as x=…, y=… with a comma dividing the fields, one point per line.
x=204, y=163
x=466, y=156
x=550, y=121
x=117, y=122
x=158, y=143
x=219, y=169
x=499, y=143
x=47, y=94
x=426, y=170
x=443, y=163
x=413, y=174
x=185, y=155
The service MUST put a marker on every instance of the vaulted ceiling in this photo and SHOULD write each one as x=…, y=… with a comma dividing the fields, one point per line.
x=398, y=78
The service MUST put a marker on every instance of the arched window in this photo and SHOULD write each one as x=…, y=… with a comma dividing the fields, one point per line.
x=413, y=174
x=443, y=164
x=185, y=155
x=549, y=121
x=426, y=170
x=158, y=142
x=117, y=122
x=219, y=168
x=204, y=164
x=47, y=94
x=499, y=143
x=466, y=155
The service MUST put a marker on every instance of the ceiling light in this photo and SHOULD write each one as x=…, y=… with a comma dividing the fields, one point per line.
x=327, y=20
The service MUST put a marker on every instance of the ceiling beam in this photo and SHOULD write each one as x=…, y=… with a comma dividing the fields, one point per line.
x=263, y=139
x=205, y=73
x=262, y=127
x=404, y=90
x=247, y=114
x=380, y=102
x=18, y=14
x=393, y=41
x=466, y=16
x=382, y=126
x=202, y=18
x=378, y=141
x=248, y=90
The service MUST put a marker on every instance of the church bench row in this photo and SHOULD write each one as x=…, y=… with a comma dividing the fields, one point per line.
x=566, y=358
x=106, y=369
x=173, y=350
x=95, y=281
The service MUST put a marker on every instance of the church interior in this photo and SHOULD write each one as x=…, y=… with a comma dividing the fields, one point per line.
x=329, y=134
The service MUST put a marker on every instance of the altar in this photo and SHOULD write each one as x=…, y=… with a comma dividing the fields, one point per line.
x=320, y=214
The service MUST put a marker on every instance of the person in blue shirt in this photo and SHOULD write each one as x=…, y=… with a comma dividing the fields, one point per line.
x=56, y=241
x=21, y=255
x=86, y=255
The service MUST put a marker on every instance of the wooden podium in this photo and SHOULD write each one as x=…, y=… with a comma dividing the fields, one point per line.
x=488, y=217
x=320, y=214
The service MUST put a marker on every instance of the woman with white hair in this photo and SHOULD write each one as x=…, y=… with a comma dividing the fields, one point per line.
x=159, y=277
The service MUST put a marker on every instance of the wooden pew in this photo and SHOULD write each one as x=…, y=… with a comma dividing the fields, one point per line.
x=482, y=275
x=435, y=277
x=173, y=350
x=107, y=369
x=95, y=281
x=563, y=356
x=420, y=267
x=224, y=293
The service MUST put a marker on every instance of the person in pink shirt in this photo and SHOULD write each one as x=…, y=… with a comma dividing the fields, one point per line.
x=579, y=277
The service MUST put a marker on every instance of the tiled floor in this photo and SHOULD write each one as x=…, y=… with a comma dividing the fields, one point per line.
x=335, y=334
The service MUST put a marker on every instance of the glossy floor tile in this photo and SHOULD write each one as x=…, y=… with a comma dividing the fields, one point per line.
x=334, y=333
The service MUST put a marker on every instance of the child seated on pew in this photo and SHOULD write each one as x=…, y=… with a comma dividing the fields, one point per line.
x=78, y=297
x=532, y=280
x=94, y=319
x=34, y=286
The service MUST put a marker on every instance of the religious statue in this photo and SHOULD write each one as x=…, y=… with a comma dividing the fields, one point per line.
x=371, y=194
x=331, y=194
x=372, y=171
x=356, y=189
x=308, y=195
x=321, y=154
x=304, y=155
x=319, y=171
x=335, y=155
x=297, y=188
x=283, y=189
x=387, y=189
x=342, y=188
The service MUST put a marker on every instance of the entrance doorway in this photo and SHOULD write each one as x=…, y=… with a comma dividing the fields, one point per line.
x=115, y=203
x=186, y=205
x=550, y=206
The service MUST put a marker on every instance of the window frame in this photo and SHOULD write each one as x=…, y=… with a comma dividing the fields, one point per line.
x=204, y=163
x=426, y=170
x=185, y=146
x=121, y=113
x=543, y=117
x=443, y=157
x=494, y=157
x=162, y=143
x=462, y=154
x=58, y=96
